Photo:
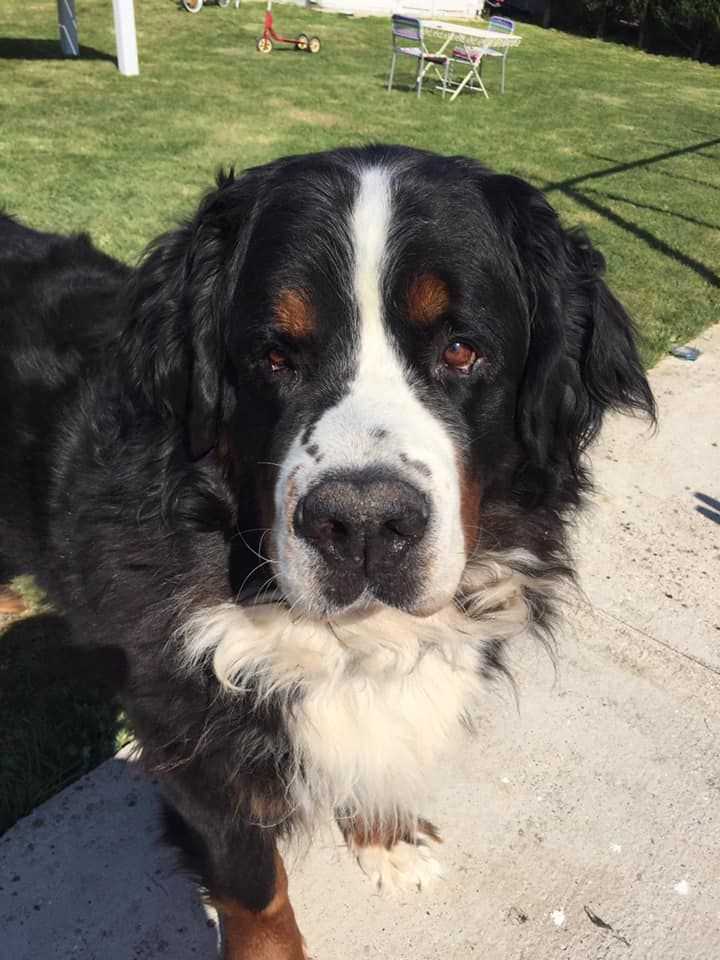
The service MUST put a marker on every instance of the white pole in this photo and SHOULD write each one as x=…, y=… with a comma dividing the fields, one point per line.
x=125, y=40
x=67, y=25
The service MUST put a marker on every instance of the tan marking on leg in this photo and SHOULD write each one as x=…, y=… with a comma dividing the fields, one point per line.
x=428, y=298
x=270, y=934
x=267, y=803
x=360, y=832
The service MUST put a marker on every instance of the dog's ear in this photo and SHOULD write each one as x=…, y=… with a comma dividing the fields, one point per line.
x=582, y=356
x=182, y=296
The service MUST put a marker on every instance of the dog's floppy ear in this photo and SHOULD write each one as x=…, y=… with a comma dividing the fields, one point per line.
x=582, y=356
x=182, y=295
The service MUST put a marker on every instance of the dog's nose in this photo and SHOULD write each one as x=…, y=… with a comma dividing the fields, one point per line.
x=362, y=521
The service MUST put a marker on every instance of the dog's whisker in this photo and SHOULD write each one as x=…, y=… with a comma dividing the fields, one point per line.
x=239, y=591
x=251, y=548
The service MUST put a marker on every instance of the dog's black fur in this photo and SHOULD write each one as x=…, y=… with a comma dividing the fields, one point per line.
x=120, y=390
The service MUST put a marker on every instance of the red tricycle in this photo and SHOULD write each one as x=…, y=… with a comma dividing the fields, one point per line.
x=300, y=42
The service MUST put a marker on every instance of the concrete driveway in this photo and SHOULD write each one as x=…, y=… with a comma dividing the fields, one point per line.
x=583, y=822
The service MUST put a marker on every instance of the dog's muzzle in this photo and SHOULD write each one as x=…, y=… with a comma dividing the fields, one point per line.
x=368, y=531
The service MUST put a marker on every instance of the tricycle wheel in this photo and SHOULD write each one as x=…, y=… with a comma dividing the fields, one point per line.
x=314, y=45
x=223, y=3
x=193, y=6
x=301, y=41
x=264, y=45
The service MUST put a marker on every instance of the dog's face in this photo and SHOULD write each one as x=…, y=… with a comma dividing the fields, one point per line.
x=385, y=364
x=385, y=345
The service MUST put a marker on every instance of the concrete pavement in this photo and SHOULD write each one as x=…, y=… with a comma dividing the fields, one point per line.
x=582, y=823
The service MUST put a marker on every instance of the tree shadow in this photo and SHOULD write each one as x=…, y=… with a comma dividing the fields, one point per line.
x=27, y=48
x=708, y=507
x=58, y=718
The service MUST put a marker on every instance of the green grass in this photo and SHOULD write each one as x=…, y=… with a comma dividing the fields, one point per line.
x=56, y=720
x=625, y=144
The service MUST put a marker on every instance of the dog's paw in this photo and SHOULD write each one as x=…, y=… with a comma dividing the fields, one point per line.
x=405, y=866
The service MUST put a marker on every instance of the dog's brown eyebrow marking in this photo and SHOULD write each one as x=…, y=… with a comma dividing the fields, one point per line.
x=295, y=313
x=428, y=298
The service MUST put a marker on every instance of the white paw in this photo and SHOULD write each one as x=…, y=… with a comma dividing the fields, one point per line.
x=403, y=867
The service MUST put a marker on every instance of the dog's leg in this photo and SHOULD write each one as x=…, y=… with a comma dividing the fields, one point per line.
x=395, y=856
x=240, y=868
x=267, y=934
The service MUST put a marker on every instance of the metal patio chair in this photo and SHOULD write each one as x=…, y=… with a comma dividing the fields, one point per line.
x=409, y=30
x=501, y=25
x=471, y=58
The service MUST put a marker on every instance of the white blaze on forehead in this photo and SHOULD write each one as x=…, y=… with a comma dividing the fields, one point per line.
x=380, y=422
x=371, y=224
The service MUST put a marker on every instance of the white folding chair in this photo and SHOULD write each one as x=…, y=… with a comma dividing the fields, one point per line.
x=409, y=29
x=471, y=58
x=501, y=25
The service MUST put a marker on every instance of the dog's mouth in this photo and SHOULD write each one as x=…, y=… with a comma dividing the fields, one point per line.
x=366, y=603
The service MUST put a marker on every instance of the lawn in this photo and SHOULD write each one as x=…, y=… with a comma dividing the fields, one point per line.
x=625, y=144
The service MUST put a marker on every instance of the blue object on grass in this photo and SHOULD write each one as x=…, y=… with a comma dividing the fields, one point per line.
x=685, y=353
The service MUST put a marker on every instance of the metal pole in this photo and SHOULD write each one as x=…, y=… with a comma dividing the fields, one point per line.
x=67, y=25
x=125, y=39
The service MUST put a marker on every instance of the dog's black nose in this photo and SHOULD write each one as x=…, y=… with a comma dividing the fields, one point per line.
x=362, y=523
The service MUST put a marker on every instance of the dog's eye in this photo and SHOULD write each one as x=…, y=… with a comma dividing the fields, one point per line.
x=459, y=356
x=277, y=362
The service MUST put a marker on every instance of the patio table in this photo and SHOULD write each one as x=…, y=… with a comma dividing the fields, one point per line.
x=474, y=41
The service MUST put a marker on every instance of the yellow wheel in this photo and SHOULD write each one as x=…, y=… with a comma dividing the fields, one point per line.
x=193, y=6
x=301, y=42
x=314, y=44
x=264, y=45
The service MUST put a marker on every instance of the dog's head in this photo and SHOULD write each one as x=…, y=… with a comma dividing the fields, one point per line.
x=384, y=348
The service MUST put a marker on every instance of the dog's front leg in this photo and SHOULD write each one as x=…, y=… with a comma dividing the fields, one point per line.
x=269, y=933
x=396, y=854
x=239, y=867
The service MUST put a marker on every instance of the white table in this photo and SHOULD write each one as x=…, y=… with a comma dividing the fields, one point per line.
x=474, y=41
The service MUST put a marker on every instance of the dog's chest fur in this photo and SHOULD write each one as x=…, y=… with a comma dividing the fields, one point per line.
x=370, y=704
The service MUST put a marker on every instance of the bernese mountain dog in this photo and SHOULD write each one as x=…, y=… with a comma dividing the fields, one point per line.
x=309, y=467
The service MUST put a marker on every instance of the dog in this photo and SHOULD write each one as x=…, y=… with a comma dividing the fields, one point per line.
x=309, y=467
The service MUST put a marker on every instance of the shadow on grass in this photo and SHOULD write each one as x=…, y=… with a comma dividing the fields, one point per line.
x=649, y=206
x=21, y=48
x=573, y=188
x=58, y=718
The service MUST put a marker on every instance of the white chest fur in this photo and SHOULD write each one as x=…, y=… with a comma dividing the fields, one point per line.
x=367, y=742
x=371, y=702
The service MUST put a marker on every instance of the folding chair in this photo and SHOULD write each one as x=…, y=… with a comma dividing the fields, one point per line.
x=501, y=25
x=470, y=57
x=406, y=29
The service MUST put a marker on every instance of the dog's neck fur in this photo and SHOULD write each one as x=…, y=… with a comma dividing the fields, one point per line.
x=371, y=700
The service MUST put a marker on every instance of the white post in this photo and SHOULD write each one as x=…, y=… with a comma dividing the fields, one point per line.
x=126, y=43
x=67, y=25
